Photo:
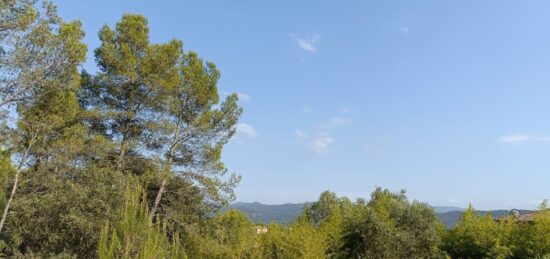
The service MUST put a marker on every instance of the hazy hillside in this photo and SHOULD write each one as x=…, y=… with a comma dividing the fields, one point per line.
x=450, y=218
x=263, y=213
x=445, y=209
x=286, y=213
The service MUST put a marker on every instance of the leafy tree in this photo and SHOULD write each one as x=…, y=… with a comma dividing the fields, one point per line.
x=318, y=212
x=133, y=74
x=15, y=17
x=36, y=47
x=236, y=232
x=56, y=213
x=476, y=236
x=229, y=235
x=530, y=239
x=161, y=108
x=6, y=173
x=389, y=226
x=191, y=132
x=298, y=240
x=328, y=215
x=153, y=111
x=132, y=235
x=54, y=75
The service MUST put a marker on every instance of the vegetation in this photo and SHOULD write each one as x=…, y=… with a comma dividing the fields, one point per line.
x=478, y=236
x=126, y=163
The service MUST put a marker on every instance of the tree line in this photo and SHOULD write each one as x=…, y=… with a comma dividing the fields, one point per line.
x=126, y=162
x=387, y=225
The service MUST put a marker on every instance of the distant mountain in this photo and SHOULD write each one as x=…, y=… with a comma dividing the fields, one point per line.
x=451, y=218
x=445, y=209
x=286, y=213
x=263, y=213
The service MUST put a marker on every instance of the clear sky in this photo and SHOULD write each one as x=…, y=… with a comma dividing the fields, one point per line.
x=449, y=100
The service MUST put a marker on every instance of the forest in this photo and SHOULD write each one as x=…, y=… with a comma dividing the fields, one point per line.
x=126, y=163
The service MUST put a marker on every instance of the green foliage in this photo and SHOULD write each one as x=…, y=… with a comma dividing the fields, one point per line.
x=160, y=106
x=389, y=226
x=328, y=215
x=530, y=239
x=232, y=235
x=54, y=214
x=480, y=236
x=235, y=232
x=126, y=163
x=80, y=139
x=476, y=236
x=229, y=235
x=6, y=173
x=39, y=51
x=298, y=240
x=134, y=75
x=15, y=16
x=133, y=236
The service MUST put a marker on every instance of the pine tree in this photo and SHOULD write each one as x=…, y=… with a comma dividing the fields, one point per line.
x=46, y=59
x=192, y=132
x=134, y=74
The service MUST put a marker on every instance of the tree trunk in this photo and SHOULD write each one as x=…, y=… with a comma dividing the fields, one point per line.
x=13, y=190
x=120, y=159
x=157, y=200
x=125, y=136
x=167, y=168
x=121, y=154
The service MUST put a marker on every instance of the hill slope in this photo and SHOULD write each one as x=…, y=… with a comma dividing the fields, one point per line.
x=450, y=218
x=286, y=213
x=263, y=213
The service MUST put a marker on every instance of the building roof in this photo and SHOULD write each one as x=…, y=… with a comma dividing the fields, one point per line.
x=532, y=215
x=529, y=216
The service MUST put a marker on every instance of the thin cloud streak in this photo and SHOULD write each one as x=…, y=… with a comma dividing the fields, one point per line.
x=521, y=138
x=320, y=140
x=246, y=130
x=243, y=97
x=306, y=42
x=321, y=144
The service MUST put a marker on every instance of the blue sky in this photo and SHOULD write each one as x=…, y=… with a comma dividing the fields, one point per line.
x=449, y=100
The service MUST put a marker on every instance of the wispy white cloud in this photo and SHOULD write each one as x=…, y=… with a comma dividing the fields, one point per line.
x=243, y=97
x=405, y=30
x=345, y=110
x=320, y=138
x=321, y=144
x=306, y=110
x=520, y=138
x=514, y=138
x=246, y=130
x=306, y=42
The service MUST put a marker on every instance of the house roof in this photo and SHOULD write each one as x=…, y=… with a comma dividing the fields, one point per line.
x=532, y=215
x=529, y=216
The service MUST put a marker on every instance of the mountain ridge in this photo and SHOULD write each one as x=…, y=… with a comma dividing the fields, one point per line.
x=285, y=213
